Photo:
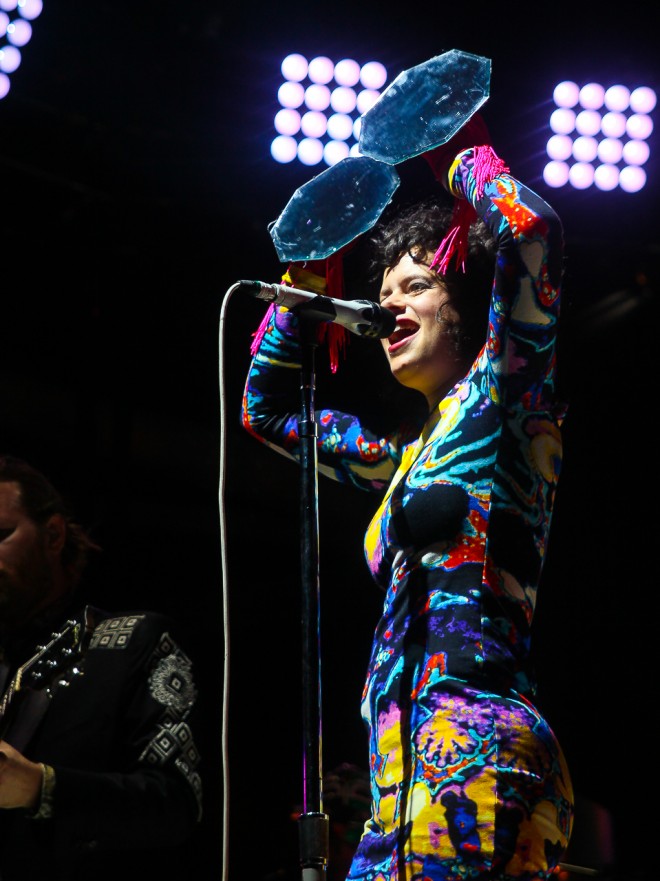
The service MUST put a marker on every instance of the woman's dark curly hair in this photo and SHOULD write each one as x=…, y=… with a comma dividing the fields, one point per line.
x=418, y=230
x=41, y=500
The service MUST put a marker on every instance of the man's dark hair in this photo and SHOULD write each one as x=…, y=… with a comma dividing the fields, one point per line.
x=418, y=230
x=41, y=500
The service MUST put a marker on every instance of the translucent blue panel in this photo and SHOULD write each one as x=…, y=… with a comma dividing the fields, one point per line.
x=333, y=208
x=425, y=106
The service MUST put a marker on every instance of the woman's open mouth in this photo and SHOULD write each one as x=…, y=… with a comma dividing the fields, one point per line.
x=400, y=337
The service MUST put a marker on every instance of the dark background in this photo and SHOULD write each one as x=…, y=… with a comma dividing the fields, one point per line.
x=137, y=188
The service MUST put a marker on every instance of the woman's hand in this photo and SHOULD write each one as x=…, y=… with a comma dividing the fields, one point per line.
x=20, y=779
x=473, y=134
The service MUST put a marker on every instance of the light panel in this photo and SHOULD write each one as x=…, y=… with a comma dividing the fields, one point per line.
x=320, y=105
x=16, y=17
x=600, y=136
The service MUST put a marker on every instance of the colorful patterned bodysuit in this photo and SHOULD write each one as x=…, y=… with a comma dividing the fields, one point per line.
x=468, y=780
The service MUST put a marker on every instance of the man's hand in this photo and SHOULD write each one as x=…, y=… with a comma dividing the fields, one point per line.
x=20, y=779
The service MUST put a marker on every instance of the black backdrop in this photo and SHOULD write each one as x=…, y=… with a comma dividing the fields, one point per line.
x=136, y=189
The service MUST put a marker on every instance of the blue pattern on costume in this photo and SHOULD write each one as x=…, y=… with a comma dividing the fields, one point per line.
x=467, y=777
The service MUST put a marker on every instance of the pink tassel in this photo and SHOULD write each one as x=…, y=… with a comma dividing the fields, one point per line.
x=334, y=334
x=486, y=167
x=330, y=282
x=455, y=243
x=258, y=335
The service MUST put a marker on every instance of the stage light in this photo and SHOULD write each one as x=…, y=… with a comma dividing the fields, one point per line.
x=284, y=148
x=343, y=99
x=334, y=151
x=310, y=151
x=608, y=127
x=606, y=177
x=316, y=87
x=294, y=68
x=347, y=72
x=15, y=33
x=287, y=122
x=321, y=70
x=19, y=32
x=559, y=147
x=555, y=173
x=291, y=95
x=317, y=97
x=10, y=59
x=562, y=121
x=314, y=124
x=373, y=75
x=610, y=151
x=340, y=126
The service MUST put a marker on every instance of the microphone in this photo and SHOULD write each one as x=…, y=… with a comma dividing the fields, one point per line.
x=362, y=317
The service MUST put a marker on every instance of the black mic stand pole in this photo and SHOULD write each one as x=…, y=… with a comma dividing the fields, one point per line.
x=313, y=824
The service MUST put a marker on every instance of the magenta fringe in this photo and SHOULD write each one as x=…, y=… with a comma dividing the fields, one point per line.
x=487, y=165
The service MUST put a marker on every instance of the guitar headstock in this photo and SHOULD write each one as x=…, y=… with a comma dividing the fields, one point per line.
x=56, y=662
x=54, y=665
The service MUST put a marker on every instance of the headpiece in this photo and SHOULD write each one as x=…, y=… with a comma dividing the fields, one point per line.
x=426, y=110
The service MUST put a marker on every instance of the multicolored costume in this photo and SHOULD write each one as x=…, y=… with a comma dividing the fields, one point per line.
x=468, y=780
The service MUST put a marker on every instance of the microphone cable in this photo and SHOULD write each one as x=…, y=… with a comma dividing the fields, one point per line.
x=224, y=589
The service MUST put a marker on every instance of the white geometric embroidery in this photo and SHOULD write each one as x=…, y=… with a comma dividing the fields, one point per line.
x=171, y=683
x=114, y=633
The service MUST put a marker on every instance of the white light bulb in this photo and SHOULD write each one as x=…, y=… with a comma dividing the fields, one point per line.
x=373, y=75
x=606, y=177
x=321, y=70
x=585, y=149
x=340, y=126
x=313, y=124
x=555, y=174
x=588, y=122
x=592, y=96
x=617, y=98
x=317, y=97
x=636, y=152
x=614, y=125
x=291, y=95
x=632, y=178
x=562, y=121
x=347, y=72
x=287, y=122
x=639, y=125
x=10, y=59
x=19, y=32
x=334, y=152
x=581, y=175
x=30, y=9
x=294, y=68
x=284, y=149
x=643, y=100
x=610, y=150
x=566, y=94
x=310, y=151
x=343, y=99
x=366, y=100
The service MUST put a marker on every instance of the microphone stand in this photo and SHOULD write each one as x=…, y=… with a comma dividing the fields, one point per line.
x=313, y=824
